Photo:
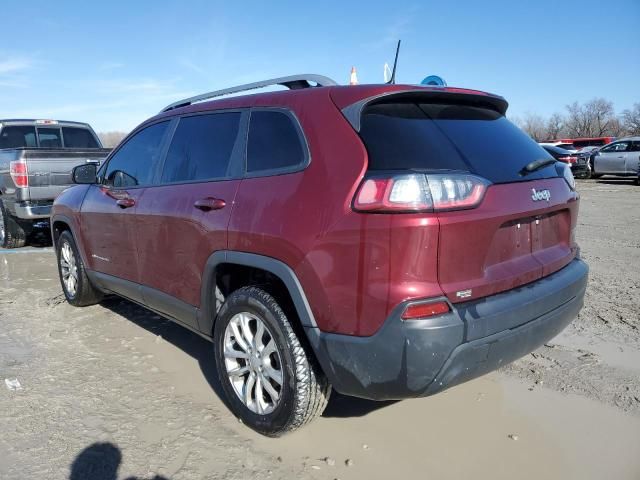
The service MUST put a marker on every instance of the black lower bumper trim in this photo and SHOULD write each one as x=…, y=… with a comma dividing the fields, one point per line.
x=420, y=357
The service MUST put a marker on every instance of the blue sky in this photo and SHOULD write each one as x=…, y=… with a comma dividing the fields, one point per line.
x=116, y=63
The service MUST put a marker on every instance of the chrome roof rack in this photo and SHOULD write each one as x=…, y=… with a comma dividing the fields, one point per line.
x=293, y=82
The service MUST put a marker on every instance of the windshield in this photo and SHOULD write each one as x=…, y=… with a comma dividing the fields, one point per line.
x=428, y=136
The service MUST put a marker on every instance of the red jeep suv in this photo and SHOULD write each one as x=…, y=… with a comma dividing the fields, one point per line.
x=386, y=241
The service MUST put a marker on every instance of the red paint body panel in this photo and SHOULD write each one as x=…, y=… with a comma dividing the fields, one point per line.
x=109, y=232
x=354, y=267
x=175, y=239
x=507, y=241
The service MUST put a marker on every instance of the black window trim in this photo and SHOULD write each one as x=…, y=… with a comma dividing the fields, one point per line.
x=234, y=170
x=164, y=146
x=272, y=172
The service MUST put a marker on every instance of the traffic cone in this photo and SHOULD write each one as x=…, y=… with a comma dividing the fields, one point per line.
x=354, y=77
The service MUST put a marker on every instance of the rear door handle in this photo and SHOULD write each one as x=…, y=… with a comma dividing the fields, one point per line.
x=208, y=204
x=126, y=202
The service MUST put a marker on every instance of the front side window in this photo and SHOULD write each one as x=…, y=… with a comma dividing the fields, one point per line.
x=274, y=142
x=18, y=137
x=75, y=137
x=134, y=163
x=201, y=147
x=49, y=137
x=617, y=147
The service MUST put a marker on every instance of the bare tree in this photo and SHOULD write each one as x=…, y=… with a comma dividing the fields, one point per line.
x=111, y=139
x=631, y=120
x=555, y=126
x=595, y=118
x=534, y=125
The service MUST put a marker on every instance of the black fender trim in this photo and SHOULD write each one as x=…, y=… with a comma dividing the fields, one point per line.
x=207, y=312
x=72, y=228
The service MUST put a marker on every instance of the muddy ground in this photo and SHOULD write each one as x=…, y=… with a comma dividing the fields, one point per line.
x=114, y=392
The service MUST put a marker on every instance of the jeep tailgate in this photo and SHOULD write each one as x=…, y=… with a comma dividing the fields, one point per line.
x=508, y=241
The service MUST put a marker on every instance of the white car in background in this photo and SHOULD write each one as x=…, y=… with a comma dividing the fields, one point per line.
x=620, y=158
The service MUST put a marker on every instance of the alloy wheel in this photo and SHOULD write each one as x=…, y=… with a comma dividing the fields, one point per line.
x=69, y=269
x=253, y=363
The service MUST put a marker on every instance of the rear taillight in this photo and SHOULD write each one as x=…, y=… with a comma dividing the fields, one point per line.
x=568, y=159
x=424, y=310
x=19, y=173
x=416, y=192
x=565, y=171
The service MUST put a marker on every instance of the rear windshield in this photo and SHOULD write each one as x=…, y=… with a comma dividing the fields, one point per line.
x=432, y=137
x=18, y=137
x=75, y=137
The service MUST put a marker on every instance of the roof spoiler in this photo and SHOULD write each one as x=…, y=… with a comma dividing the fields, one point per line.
x=353, y=112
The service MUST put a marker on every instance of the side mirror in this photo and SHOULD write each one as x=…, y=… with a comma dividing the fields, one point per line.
x=85, y=174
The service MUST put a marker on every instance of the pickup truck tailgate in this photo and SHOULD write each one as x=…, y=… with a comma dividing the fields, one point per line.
x=50, y=170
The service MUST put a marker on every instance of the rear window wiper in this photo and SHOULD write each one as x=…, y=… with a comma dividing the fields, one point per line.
x=536, y=165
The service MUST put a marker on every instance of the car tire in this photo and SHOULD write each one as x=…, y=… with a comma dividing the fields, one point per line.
x=76, y=286
x=13, y=232
x=250, y=357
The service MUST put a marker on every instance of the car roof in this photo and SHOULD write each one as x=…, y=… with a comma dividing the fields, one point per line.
x=341, y=95
x=626, y=139
x=42, y=122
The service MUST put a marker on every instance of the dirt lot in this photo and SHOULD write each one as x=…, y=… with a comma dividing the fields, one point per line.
x=113, y=391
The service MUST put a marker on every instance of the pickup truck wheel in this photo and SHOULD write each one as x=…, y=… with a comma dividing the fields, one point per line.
x=73, y=277
x=12, y=233
x=270, y=382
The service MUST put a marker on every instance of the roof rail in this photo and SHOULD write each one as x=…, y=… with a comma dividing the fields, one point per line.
x=293, y=82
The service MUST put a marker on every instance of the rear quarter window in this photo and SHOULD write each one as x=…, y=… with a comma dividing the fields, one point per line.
x=275, y=144
x=434, y=137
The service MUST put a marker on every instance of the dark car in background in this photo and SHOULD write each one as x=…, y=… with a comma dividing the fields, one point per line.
x=579, y=163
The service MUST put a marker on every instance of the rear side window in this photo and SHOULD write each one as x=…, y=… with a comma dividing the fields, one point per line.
x=274, y=142
x=134, y=163
x=49, y=137
x=18, y=137
x=201, y=148
x=78, y=138
x=432, y=137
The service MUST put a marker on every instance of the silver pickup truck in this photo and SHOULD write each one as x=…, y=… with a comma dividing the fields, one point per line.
x=36, y=159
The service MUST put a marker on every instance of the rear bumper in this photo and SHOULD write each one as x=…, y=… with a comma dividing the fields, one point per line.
x=580, y=169
x=420, y=357
x=31, y=211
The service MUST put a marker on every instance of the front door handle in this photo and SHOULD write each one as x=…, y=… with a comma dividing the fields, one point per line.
x=126, y=202
x=208, y=204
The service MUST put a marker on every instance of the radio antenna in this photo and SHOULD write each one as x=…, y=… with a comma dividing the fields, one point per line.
x=392, y=80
